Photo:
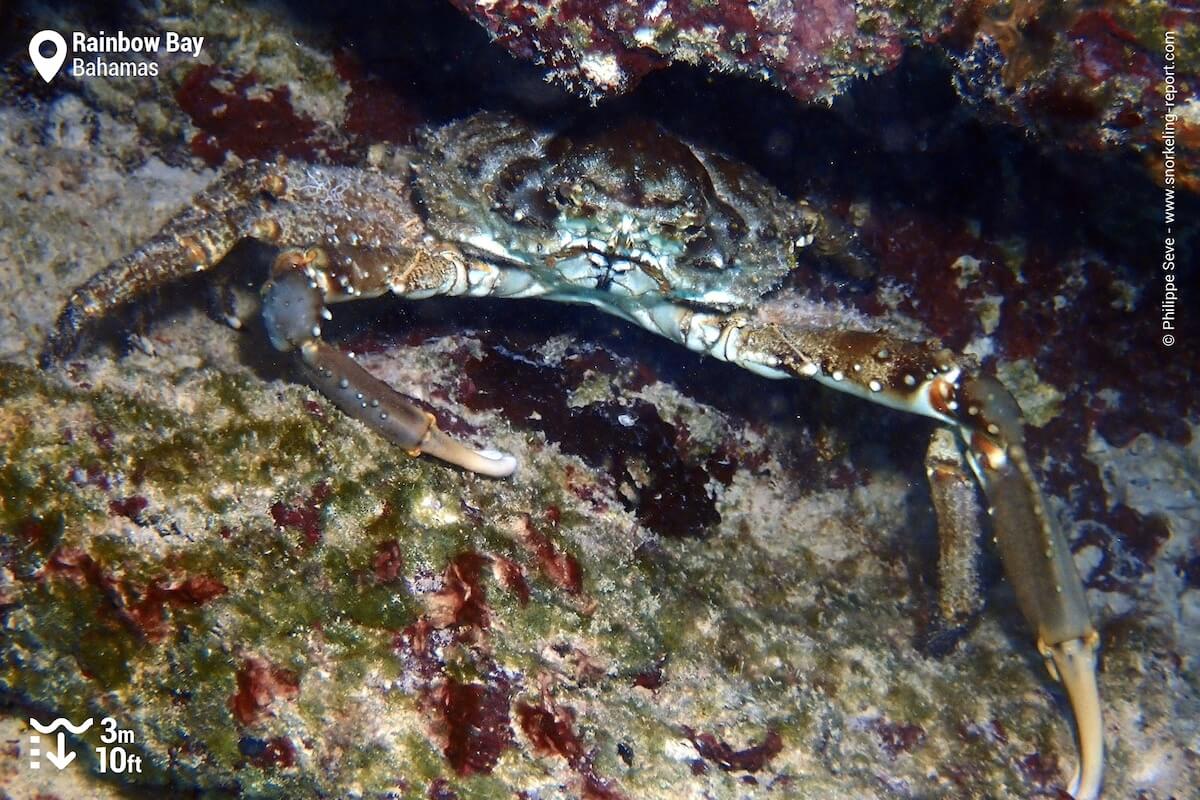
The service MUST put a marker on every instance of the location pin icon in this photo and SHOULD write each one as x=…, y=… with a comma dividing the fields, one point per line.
x=48, y=67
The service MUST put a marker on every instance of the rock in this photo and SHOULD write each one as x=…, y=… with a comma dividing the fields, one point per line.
x=812, y=48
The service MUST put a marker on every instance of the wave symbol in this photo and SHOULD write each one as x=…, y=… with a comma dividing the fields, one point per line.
x=61, y=722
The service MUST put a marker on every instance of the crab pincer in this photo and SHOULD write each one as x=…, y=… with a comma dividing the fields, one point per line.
x=1038, y=563
x=292, y=310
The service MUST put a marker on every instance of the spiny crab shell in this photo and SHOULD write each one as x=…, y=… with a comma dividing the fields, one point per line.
x=665, y=219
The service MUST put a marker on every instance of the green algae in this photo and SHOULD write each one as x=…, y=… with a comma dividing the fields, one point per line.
x=720, y=618
x=281, y=588
x=270, y=577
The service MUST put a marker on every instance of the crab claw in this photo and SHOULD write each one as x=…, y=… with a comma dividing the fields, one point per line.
x=1073, y=662
x=292, y=309
x=370, y=400
x=1039, y=564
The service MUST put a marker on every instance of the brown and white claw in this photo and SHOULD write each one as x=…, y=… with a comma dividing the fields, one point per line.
x=366, y=398
x=292, y=310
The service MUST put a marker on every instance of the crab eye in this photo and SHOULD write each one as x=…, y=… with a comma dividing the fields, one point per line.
x=565, y=193
x=518, y=193
x=703, y=253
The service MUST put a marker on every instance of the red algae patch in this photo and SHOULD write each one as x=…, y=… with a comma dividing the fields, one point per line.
x=475, y=717
x=303, y=515
x=550, y=729
x=562, y=569
x=236, y=114
x=141, y=610
x=462, y=601
x=751, y=759
x=259, y=685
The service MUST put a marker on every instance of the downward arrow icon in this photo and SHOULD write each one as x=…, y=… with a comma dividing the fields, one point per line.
x=57, y=759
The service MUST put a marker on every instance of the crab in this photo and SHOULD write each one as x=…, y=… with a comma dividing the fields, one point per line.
x=655, y=230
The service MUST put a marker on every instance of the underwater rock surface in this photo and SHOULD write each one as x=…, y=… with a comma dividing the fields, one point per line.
x=700, y=583
x=1089, y=74
x=811, y=48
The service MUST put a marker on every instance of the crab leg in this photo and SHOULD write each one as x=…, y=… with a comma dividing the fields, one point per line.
x=195, y=240
x=922, y=379
x=282, y=204
x=956, y=503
